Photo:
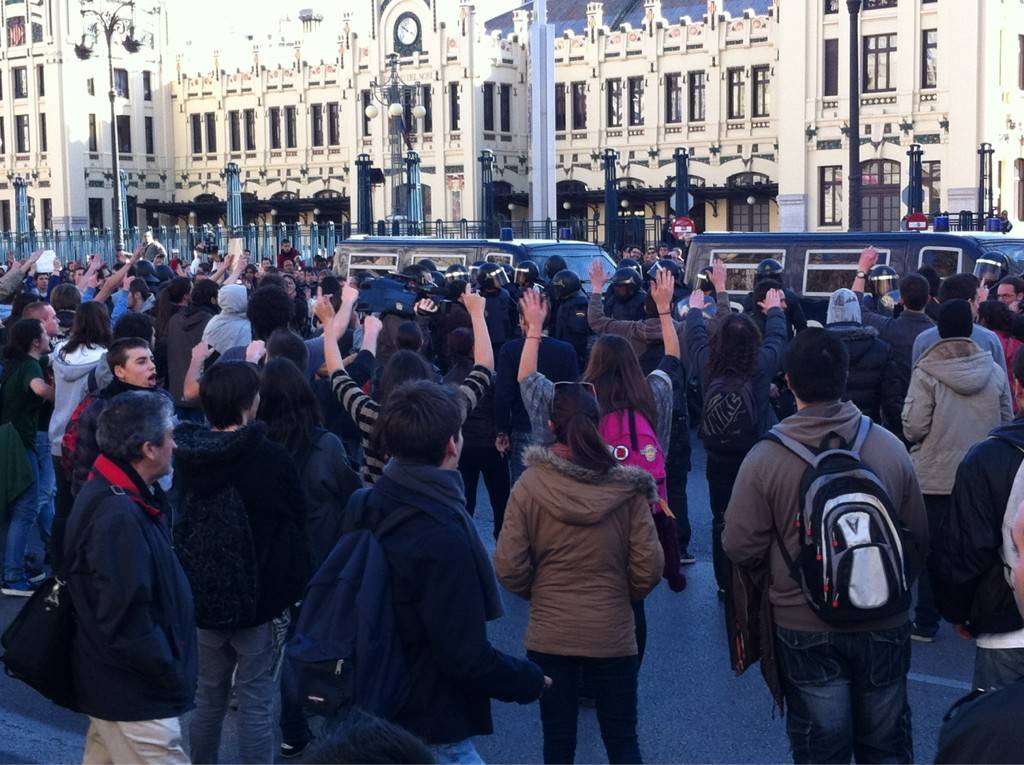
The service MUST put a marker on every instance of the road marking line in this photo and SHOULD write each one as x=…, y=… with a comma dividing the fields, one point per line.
x=936, y=680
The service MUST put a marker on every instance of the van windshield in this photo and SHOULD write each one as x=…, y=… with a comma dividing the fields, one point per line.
x=1011, y=248
x=577, y=258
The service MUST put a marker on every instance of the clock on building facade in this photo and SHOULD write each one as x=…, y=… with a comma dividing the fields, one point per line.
x=408, y=34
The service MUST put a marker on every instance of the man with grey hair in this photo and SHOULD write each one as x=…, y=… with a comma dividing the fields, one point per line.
x=134, y=656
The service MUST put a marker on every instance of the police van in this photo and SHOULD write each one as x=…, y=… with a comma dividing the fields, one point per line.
x=817, y=264
x=391, y=254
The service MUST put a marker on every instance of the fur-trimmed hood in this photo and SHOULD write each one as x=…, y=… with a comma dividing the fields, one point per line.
x=578, y=496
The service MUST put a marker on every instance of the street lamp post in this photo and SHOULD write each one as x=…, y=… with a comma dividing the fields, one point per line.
x=110, y=22
x=393, y=93
x=853, y=176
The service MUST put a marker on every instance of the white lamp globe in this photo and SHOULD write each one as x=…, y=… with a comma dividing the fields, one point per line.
x=419, y=111
x=395, y=110
x=372, y=111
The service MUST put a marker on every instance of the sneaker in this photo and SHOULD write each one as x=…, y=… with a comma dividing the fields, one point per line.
x=291, y=751
x=921, y=635
x=22, y=589
x=36, y=575
x=686, y=558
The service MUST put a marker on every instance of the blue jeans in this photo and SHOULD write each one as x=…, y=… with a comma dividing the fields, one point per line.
x=846, y=694
x=612, y=681
x=47, y=490
x=27, y=510
x=254, y=651
x=462, y=752
x=518, y=443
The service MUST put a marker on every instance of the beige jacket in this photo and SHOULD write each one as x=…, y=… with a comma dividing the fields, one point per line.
x=957, y=395
x=580, y=546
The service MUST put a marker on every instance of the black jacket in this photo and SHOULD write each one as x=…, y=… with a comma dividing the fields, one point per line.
x=184, y=331
x=329, y=481
x=873, y=381
x=900, y=333
x=441, y=615
x=966, y=564
x=556, y=360
x=796, y=320
x=625, y=310
x=571, y=325
x=501, y=316
x=134, y=653
x=265, y=477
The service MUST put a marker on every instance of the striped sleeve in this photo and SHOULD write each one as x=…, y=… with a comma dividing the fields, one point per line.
x=476, y=385
x=361, y=408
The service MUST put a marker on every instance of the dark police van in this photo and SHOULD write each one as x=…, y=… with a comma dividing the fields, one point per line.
x=817, y=264
x=392, y=254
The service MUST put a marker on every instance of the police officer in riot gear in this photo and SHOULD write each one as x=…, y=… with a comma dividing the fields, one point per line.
x=625, y=299
x=991, y=267
x=570, y=310
x=527, y=274
x=681, y=291
x=884, y=289
x=501, y=312
x=771, y=270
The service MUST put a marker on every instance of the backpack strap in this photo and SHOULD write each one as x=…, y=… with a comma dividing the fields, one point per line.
x=632, y=430
x=862, y=435
x=360, y=513
x=794, y=446
x=813, y=459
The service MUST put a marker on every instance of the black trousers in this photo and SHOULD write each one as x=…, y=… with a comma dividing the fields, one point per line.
x=486, y=461
x=62, y=505
x=677, y=467
x=721, y=474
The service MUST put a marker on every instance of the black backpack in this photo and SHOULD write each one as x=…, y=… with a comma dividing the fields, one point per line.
x=214, y=542
x=346, y=651
x=728, y=422
x=852, y=560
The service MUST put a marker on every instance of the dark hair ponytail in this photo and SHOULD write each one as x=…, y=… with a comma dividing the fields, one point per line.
x=20, y=337
x=574, y=419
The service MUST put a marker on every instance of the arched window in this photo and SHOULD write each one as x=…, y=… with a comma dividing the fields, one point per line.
x=880, y=195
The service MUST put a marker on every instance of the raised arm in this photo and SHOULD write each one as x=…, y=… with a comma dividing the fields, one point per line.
x=534, y=310
x=483, y=351
x=664, y=284
x=117, y=278
x=868, y=258
x=200, y=353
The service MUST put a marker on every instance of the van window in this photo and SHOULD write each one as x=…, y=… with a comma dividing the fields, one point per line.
x=826, y=271
x=498, y=256
x=371, y=261
x=441, y=261
x=946, y=260
x=741, y=265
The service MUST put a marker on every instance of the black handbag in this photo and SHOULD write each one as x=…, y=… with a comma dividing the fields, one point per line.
x=37, y=644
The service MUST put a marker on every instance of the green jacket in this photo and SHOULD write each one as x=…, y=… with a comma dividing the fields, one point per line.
x=15, y=470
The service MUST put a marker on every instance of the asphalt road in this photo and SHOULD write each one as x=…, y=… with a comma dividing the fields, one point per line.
x=692, y=707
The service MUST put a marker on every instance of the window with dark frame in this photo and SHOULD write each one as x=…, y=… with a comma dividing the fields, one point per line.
x=19, y=76
x=365, y=101
x=931, y=180
x=250, y=130
x=121, y=83
x=95, y=212
x=454, y=113
x=560, y=106
x=761, y=106
x=830, y=80
x=673, y=99
x=748, y=217
x=317, y=127
x=90, y=86
x=505, y=108
x=1018, y=169
x=211, y=132
x=579, y=106
x=197, y=133
x=3, y=133
x=333, y=124
x=830, y=195
x=874, y=5
x=411, y=123
x=831, y=6
x=488, y=91
x=636, y=101
x=696, y=100
x=94, y=142
x=613, y=103
x=147, y=125
x=40, y=81
x=147, y=86
x=47, y=205
x=290, y=128
x=234, y=131
x=124, y=134
x=737, y=94
x=42, y=133
x=426, y=99
x=929, y=58
x=879, y=63
x=274, y=115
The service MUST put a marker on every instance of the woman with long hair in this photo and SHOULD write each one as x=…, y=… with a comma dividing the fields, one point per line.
x=997, y=317
x=402, y=367
x=292, y=414
x=479, y=456
x=579, y=543
x=23, y=391
x=736, y=367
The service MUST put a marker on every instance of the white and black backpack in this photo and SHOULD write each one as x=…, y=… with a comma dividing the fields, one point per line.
x=852, y=563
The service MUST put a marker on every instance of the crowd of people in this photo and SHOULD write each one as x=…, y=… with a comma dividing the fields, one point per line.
x=185, y=445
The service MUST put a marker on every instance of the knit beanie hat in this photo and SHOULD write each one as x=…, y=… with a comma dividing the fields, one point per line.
x=843, y=307
x=955, y=319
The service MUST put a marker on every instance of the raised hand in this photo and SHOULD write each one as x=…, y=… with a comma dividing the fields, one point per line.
x=474, y=302
x=534, y=310
x=256, y=350
x=718, y=275
x=868, y=258
x=349, y=293
x=598, y=276
x=772, y=300
x=697, y=300
x=201, y=352
x=323, y=310
x=662, y=289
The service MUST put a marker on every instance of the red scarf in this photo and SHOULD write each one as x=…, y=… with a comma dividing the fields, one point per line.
x=115, y=475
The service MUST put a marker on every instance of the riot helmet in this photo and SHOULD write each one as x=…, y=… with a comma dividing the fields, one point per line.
x=428, y=264
x=884, y=284
x=553, y=265
x=526, y=273
x=625, y=282
x=491, y=276
x=769, y=268
x=704, y=283
x=631, y=263
x=666, y=265
x=456, y=272
x=991, y=267
x=565, y=283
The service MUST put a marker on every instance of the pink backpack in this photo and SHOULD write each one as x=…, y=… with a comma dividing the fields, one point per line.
x=633, y=442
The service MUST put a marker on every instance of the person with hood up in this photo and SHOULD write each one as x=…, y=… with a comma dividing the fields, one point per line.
x=873, y=382
x=957, y=395
x=230, y=328
x=579, y=543
x=184, y=331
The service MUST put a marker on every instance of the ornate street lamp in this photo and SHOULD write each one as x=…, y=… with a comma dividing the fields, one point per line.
x=113, y=20
x=393, y=93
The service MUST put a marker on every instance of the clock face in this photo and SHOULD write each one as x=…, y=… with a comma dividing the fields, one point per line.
x=407, y=30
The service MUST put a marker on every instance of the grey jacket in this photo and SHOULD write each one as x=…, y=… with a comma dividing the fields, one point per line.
x=957, y=395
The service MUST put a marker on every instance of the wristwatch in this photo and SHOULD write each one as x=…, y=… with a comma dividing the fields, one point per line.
x=862, y=275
